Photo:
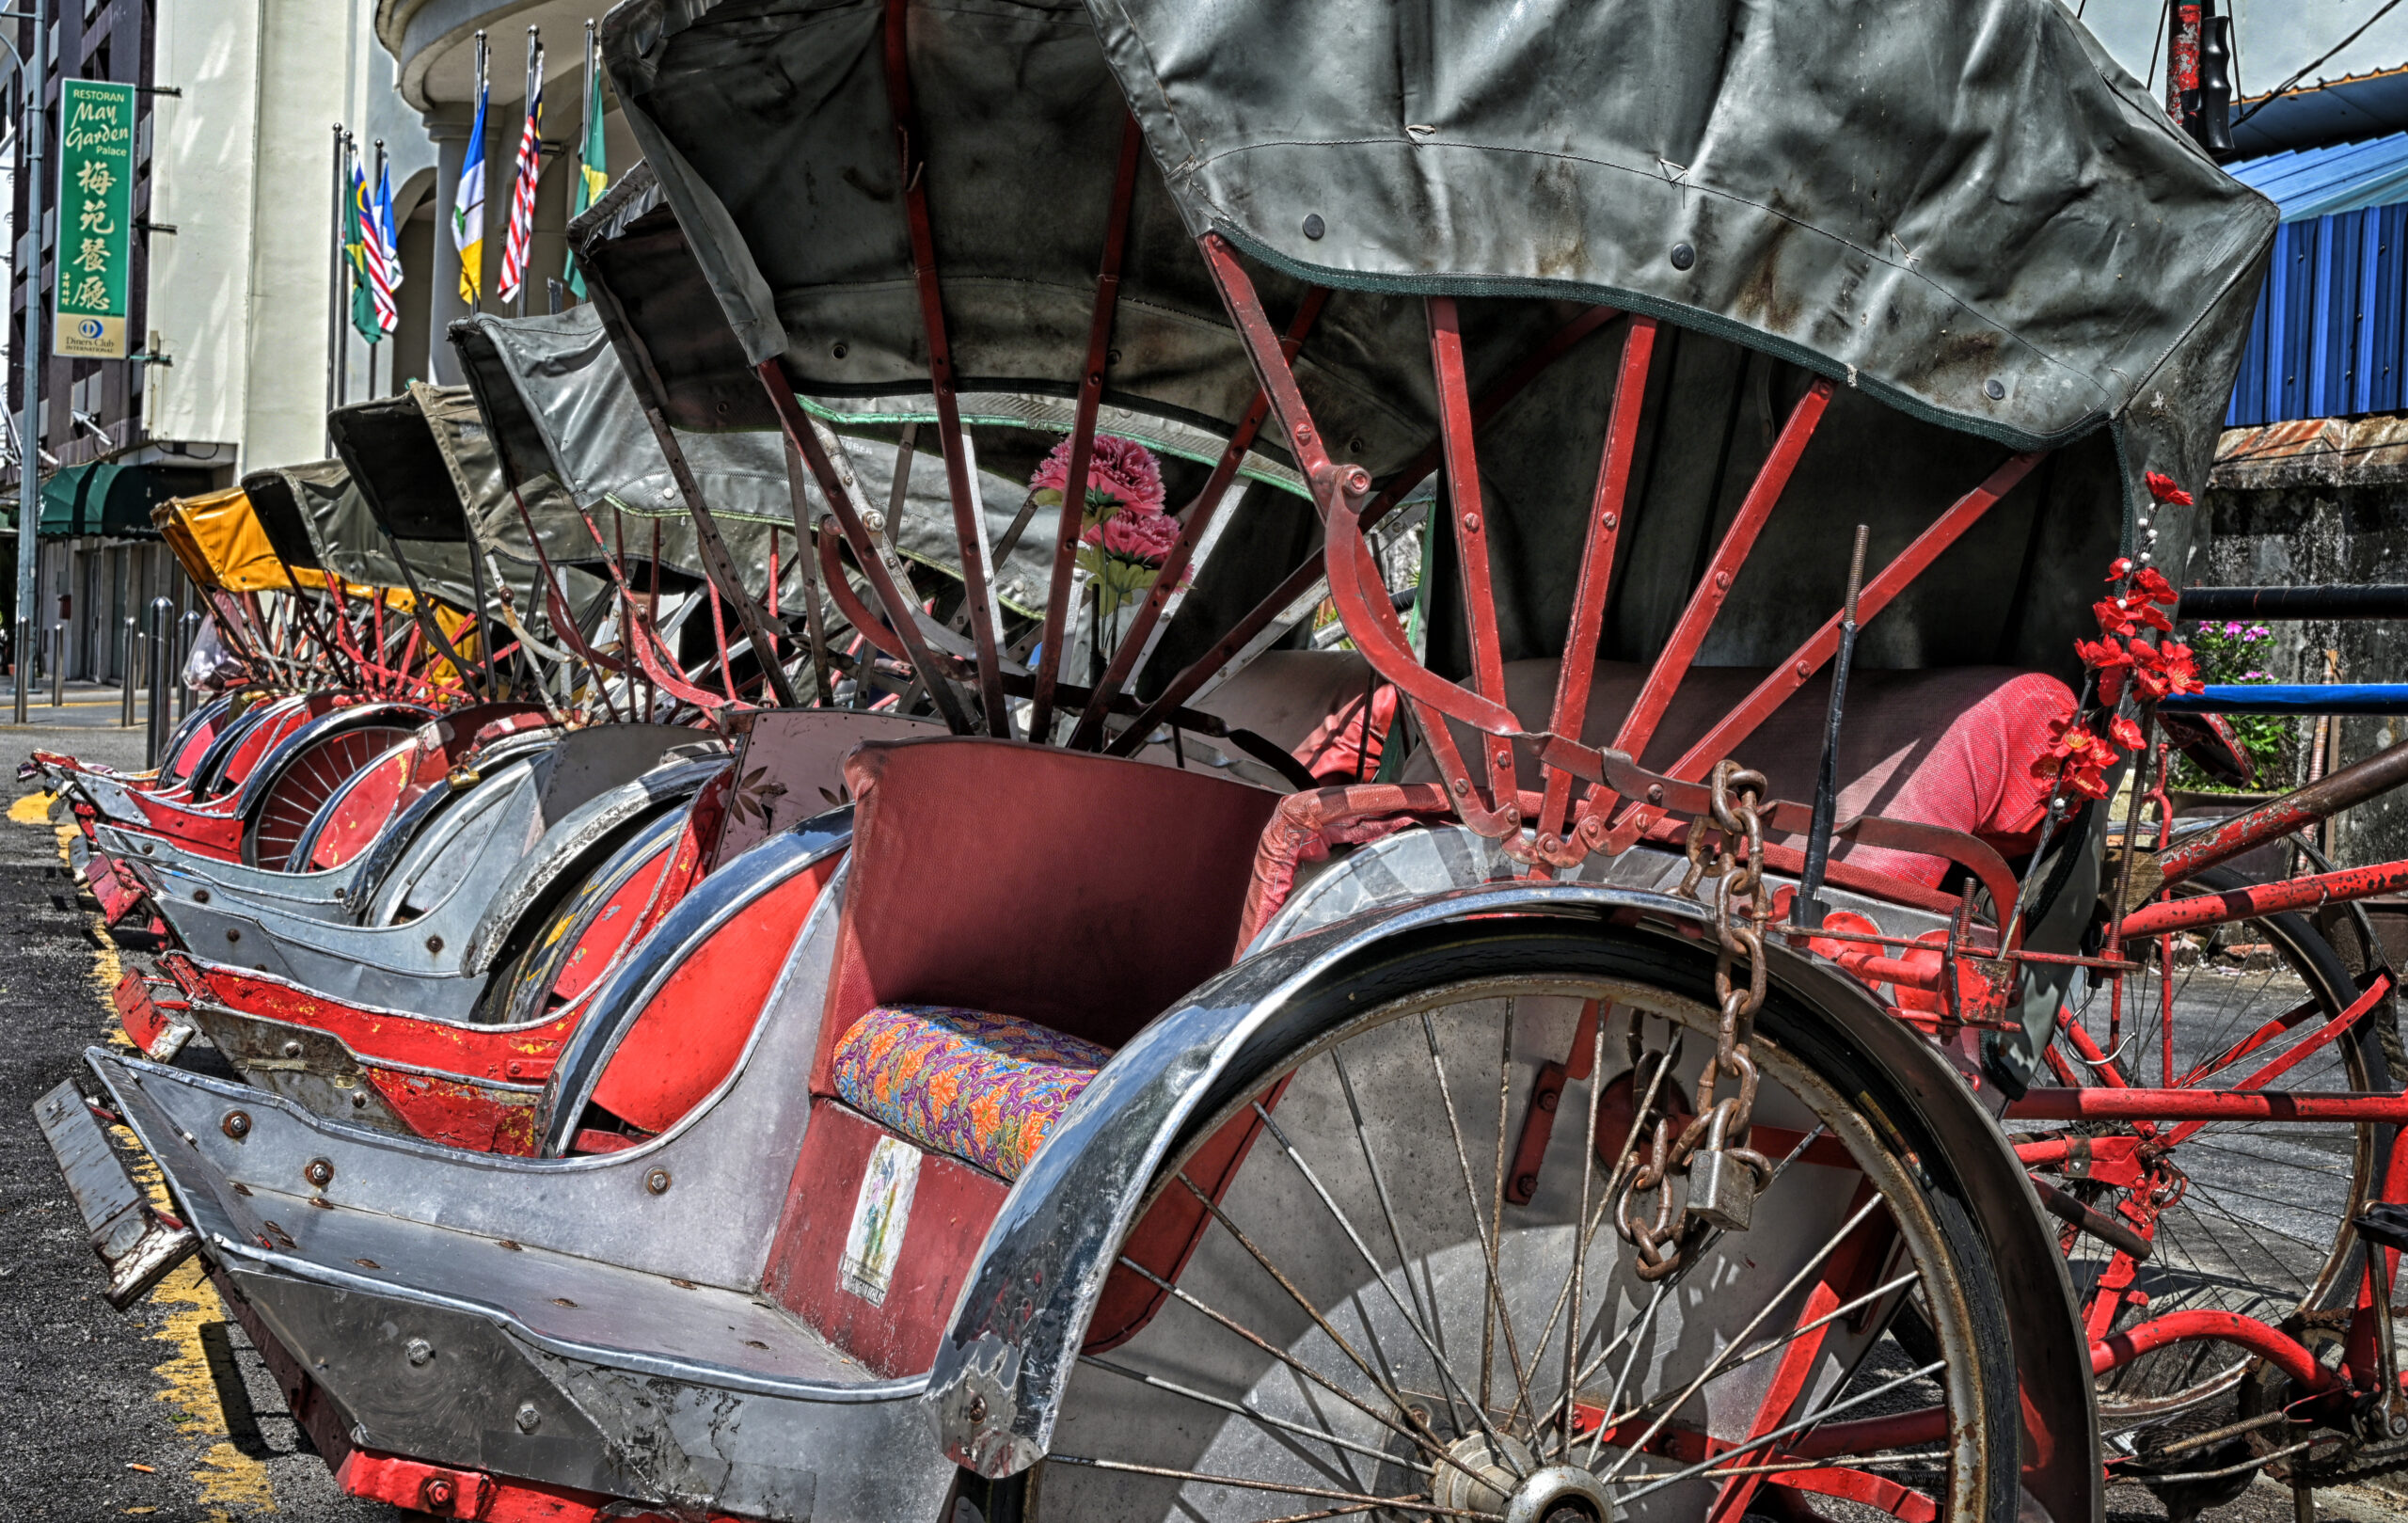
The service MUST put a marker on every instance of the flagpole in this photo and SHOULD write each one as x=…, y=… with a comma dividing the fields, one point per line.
x=484, y=168
x=342, y=323
x=526, y=107
x=334, y=331
x=378, y=211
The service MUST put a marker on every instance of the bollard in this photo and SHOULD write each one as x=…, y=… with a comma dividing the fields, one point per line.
x=163, y=662
x=57, y=665
x=127, y=682
x=23, y=651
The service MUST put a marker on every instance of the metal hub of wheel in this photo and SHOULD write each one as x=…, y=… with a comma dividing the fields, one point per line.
x=1480, y=1479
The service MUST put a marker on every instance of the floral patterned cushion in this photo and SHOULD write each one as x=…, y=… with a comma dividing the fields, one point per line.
x=984, y=1087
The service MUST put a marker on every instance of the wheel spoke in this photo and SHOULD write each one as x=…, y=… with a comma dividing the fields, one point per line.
x=1494, y=1295
x=1407, y=1504
x=1424, y=1297
x=1255, y=1414
x=1446, y=1371
x=1714, y=1365
x=1657, y=1483
x=1384, y=1383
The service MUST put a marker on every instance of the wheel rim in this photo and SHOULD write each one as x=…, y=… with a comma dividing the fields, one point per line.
x=1281, y=1378
x=294, y=799
x=2229, y=1240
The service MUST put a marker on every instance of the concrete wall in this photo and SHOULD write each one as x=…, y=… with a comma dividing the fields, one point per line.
x=242, y=296
x=2306, y=534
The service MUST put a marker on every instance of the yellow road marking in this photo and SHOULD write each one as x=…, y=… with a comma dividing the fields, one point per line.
x=232, y=1483
x=33, y=809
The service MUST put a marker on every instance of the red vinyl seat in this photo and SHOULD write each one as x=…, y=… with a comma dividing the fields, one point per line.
x=1947, y=746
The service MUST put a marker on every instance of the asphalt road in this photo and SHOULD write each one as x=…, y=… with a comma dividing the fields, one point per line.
x=165, y=1412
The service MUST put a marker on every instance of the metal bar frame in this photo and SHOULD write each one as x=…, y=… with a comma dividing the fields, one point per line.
x=978, y=584
x=1074, y=489
x=838, y=489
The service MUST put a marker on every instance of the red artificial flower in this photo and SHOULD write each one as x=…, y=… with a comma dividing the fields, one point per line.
x=2165, y=669
x=2126, y=734
x=2154, y=587
x=2077, y=757
x=2164, y=491
x=2102, y=655
x=2120, y=568
x=1121, y=470
x=2114, y=617
x=1136, y=536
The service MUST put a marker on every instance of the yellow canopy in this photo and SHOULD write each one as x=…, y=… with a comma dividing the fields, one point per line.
x=221, y=543
x=224, y=546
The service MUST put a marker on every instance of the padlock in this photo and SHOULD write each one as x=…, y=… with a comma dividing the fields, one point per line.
x=1723, y=1180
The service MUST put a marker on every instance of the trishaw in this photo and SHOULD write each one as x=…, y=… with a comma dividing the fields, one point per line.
x=1563, y=1121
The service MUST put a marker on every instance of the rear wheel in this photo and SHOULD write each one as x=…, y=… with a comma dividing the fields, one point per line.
x=282, y=816
x=1363, y=1322
x=2247, y=1217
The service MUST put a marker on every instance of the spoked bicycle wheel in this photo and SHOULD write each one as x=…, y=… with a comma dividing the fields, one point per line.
x=283, y=814
x=1365, y=1323
x=2245, y=1216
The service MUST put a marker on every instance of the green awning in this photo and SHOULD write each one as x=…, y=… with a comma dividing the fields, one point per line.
x=62, y=502
x=111, y=500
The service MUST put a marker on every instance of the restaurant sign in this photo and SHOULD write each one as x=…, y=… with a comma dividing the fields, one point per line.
x=95, y=219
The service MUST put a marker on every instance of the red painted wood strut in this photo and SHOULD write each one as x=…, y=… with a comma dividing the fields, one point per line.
x=1305, y=577
x=1606, y=507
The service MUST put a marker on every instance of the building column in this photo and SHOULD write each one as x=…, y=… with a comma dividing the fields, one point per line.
x=449, y=126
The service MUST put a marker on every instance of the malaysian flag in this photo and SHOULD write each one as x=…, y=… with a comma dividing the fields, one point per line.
x=529, y=169
x=373, y=311
x=379, y=262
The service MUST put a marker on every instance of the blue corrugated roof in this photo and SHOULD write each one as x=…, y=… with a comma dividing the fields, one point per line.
x=2319, y=182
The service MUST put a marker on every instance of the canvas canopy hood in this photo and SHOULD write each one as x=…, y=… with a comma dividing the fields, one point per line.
x=317, y=520
x=1966, y=216
x=221, y=542
x=652, y=302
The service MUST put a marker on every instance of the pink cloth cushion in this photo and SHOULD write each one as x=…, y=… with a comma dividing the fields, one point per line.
x=983, y=1088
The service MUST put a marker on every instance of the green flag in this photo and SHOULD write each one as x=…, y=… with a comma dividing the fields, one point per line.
x=354, y=249
x=592, y=177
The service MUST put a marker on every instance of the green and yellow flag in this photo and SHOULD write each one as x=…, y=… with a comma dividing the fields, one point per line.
x=592, y=170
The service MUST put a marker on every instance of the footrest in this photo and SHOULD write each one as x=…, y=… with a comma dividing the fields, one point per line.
x=155, y=1015
x=139, y=1244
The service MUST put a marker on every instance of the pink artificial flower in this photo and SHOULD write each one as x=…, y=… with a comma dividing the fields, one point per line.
x=1136, y=536
x=1123, y=469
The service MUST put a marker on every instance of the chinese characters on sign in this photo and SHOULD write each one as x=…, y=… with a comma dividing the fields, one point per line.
x=95, y=219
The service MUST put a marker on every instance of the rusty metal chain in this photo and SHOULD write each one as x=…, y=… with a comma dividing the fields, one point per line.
x=1741, y=911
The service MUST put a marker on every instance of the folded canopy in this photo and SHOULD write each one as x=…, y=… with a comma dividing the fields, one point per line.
x=1967, y=215
x=222, y=544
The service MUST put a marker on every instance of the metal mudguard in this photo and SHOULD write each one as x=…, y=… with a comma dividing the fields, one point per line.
x=1003, y=1368
x=338, y=893
x=438, y=963
x=587, y=1321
